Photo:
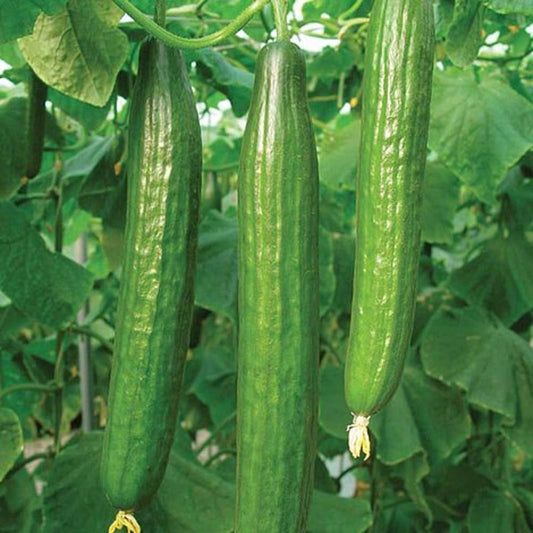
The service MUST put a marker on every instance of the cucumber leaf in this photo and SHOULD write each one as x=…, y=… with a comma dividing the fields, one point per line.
x=479, y=130
x=11, y=321
x=494, y=511
x=500, y=278
x=216, y=271
x=19, y=505
x=17, y=18
x=77, y=51
x=493, y=365
x=440, y=199
x=338, y=156
x=46, y=286
x=235, y=83
x=11, y=440
x=524, y=7
x=465, y=32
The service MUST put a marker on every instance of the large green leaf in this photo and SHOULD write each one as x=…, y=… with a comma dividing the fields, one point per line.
x=470, y=349
x=22, y=402
x=82, y=164
x=407, y=425
x=419, y=403
x=77, y=51
x=439, y=202
x=11, y=320
x=337, y=209
x=327, y=274
x=17, y=18
x=191, y=498
x=46, y=286
x=236, y=83
x=11, y=440
x=19, y=504
x=500, y=278
x=315, y=8
x=339, y=155
x=413, y=471
x=13, y=145
x=215, y=382
x=494, y=511
x=89, y=116
x=511, y=6
x=216, y=273
x=465, y=33
x=479, y=130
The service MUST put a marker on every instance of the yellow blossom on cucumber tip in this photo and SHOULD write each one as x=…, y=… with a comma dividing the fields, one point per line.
x=358, y=438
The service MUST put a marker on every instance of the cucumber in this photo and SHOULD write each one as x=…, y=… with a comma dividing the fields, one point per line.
x=278, y=300
x=156, y=293
x=396, y=97
x=35, y=120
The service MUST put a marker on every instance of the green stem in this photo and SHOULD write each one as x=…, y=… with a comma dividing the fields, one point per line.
x=192, y=20
x=59, y=370
x=27, y=387
x=219, y=454
x=346, y=471
x=30, y=197
x=200, y=5
x=26, y=461
x=281, y=8
x=160, y=12
x=221, y=168
x=215, y=431
x=80, y=330
x=344, y=16
x=170, y=39
x=57, y=189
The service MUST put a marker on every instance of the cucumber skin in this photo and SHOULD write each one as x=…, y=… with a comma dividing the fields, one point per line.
x=396, y=97
x=278, y=300
x=157, y=288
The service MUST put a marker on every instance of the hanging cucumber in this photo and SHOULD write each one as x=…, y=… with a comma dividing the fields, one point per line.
x=397, y=93
x=35, y=120
x=278, y=299
x=156, y=293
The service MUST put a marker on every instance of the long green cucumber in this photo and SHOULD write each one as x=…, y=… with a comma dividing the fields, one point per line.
x=396, y=97
x=156, y=293
x=35, y=120
x=278, y=300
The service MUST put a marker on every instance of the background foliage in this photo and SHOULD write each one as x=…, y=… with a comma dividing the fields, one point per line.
x=453, y=448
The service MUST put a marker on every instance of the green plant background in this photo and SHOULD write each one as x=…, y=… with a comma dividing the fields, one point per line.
x=452, y=449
